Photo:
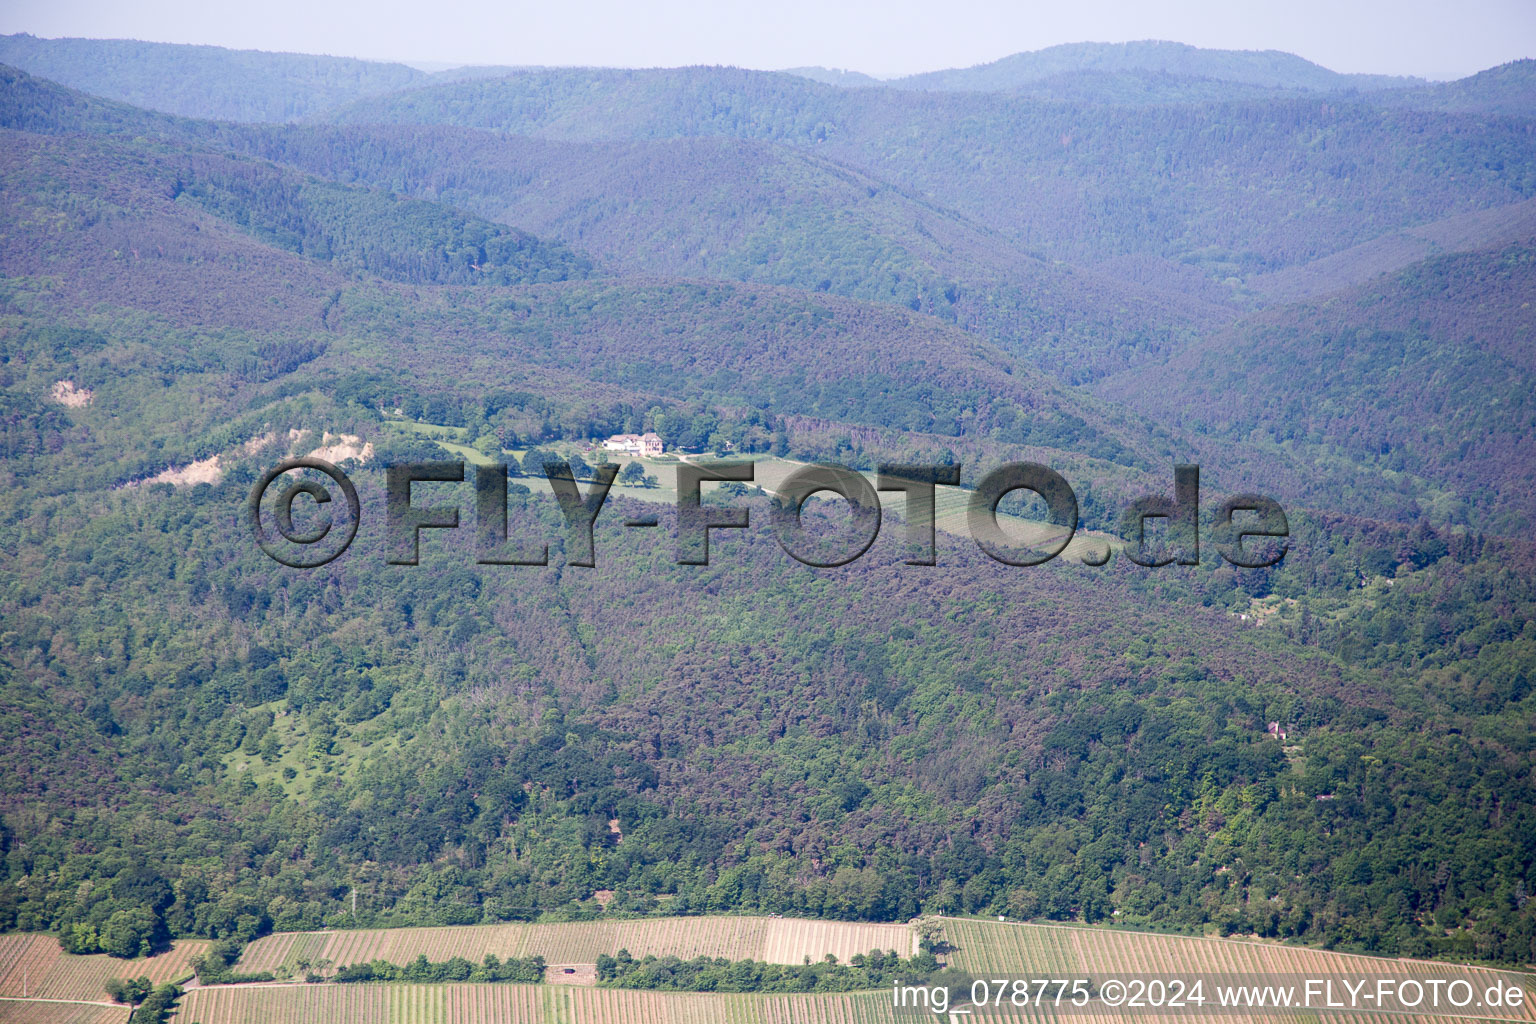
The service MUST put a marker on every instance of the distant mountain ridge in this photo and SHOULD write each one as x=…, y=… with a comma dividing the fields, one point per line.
x=259, y=86
x=840, y=77
x=1069, y=182
x=1509, y=89
x=207, y=81
x=394, y=285
x=1269, y=68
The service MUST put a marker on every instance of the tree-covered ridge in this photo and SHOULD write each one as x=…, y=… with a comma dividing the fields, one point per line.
x=1509, y=89
x=562, y=709
x=719, y=208
x=247, y=85
x=1443, y=156
x=1456, y=332
x=594, y=355
x=1271, y=69
x=34, y=104
x=91, y=182
x=1258, y=185
x=360, y=229
x=751, y=211
x=1468, y=232
x=842, y=746
x=206, y=81
x=534, y=733
x=751, y=348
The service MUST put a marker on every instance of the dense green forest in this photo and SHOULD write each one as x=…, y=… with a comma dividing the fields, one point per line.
x=198, y=741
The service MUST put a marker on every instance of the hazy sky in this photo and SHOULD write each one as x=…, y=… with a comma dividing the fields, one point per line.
x=1433, y=38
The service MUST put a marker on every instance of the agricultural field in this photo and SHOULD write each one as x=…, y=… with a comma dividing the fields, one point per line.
x=772, y=939
x=526, y=1004
x=517, y=1004
x=283, y=952
x=32, y=1011
x=580, y=1006
x=989, y=946
x=32, y=965
x=1000, y=949
x=777, y=940
x=982, y=948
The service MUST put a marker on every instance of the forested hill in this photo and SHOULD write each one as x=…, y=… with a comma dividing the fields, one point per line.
x=787, y=215
x=250, y=85
x=1286, y=180
x=354, y=229
x=751, y=211
x=134, y=214
x=34, y=104
x=1509, y=89
x=255, y=86
x=1270, y=69
x=1272, y=184
x=206, y=81
x=452, y=742
x=198, y=741
x=770, y=214
x=1332, y=379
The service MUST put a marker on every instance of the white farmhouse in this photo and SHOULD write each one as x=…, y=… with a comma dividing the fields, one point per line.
x=635, y=444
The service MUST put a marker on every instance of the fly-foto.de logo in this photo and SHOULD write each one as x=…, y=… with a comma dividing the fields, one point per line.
x=1246, y=530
